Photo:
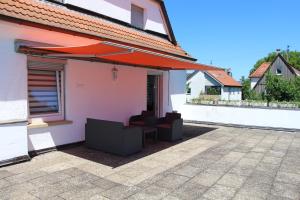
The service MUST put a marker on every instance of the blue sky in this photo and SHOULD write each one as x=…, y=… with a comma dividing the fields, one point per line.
x=235, y=33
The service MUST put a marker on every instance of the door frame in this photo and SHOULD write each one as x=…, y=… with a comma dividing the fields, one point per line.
x=158, y=107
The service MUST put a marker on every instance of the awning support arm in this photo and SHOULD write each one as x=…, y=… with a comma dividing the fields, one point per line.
x=90, y=55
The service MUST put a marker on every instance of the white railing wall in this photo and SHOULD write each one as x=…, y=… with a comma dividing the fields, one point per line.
x=258, y=117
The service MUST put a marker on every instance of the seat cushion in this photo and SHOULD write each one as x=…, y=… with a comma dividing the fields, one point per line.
x=164, y=126
x=138, y=123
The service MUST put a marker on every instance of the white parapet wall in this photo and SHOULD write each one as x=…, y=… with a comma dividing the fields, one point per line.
x=258, y=117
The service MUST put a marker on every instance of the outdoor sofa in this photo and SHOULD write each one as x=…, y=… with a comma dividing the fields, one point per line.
x=170, y=127
x=113, y=137
x=146, y=118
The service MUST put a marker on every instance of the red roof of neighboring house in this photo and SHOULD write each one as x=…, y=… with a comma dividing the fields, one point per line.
x=260, y=71
x=223, y=78
x=51, y=15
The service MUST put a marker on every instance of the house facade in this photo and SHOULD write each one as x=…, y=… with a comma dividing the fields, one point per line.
x=279, y=67
x=65, y=61
x=213, y=82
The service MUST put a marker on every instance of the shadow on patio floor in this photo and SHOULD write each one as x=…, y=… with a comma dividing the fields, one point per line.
x=150, y=148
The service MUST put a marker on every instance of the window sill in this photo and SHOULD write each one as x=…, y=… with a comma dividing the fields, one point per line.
x=48, y=124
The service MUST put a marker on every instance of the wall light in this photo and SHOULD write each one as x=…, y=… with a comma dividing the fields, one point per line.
x=115, y=73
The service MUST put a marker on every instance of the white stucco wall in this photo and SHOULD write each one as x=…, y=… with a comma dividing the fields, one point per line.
x=253, y=82
x=13, y=97
x=176, y=92
x=121, y=10
x=197, y=84
x=242, y=116
x=13, y=142
x=90, y=92
x=231, y=93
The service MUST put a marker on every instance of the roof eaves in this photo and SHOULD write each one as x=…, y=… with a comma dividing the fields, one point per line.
x=213, y=77
x=25, y=21
x=189, y=76
x=166, y=16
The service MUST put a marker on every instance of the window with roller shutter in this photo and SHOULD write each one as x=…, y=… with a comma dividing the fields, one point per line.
x=137, y=17
x=46, y=88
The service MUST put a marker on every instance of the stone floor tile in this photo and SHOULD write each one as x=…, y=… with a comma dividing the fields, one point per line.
x=286, y=177
x=80, y=193
x=206, y=179
x=239, y=196
x=151, y=180
x=286, y=190
x=188, y=171
x=24, y=196
x=272, y=160
x=248, y=162
x=104, y=183
x=254, y=155
x=272, y=197
x=268, y=169
x=259, y=150
x=255, y=189
x=243, y=148
x=120, y=192
x=16, y=190
x=201, y=163
x=261, y=177
x=170, y=197
x=5, y=173
x=73, y=171
x=21, y=178
x=98, y=197
x=220, y=167
x=152, y=193
x=189, y=191
x=134, y=171
x=82, y=178
x=233, y=156
x=219, y=192
x=232, y=180
x=49, y=191
x=50, y=178
x=172, y=181
x=278, y=154
x=4, y=183
x=241, y=170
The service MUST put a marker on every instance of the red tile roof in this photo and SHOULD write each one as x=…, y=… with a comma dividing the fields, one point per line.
x=223, y=78
x=49, y=14
x=260, y=71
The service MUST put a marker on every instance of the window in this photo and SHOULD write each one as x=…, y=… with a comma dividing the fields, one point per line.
x=213, y=90
x=188, y=89
x=278, y=71
x=137, y=16
x=46, y=88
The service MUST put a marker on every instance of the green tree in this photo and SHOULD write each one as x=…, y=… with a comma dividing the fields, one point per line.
x=280, y=89
x=246, y=88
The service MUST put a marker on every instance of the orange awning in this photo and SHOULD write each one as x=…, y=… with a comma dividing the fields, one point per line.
x=118, y=53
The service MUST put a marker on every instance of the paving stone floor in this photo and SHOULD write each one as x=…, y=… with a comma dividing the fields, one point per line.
x=209, y=163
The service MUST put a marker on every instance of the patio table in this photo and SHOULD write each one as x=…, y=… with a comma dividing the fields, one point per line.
x=149, y=130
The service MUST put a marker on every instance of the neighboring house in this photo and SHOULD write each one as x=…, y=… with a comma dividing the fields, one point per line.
x=65, y=61
x=205, y=82
x=278, y=67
